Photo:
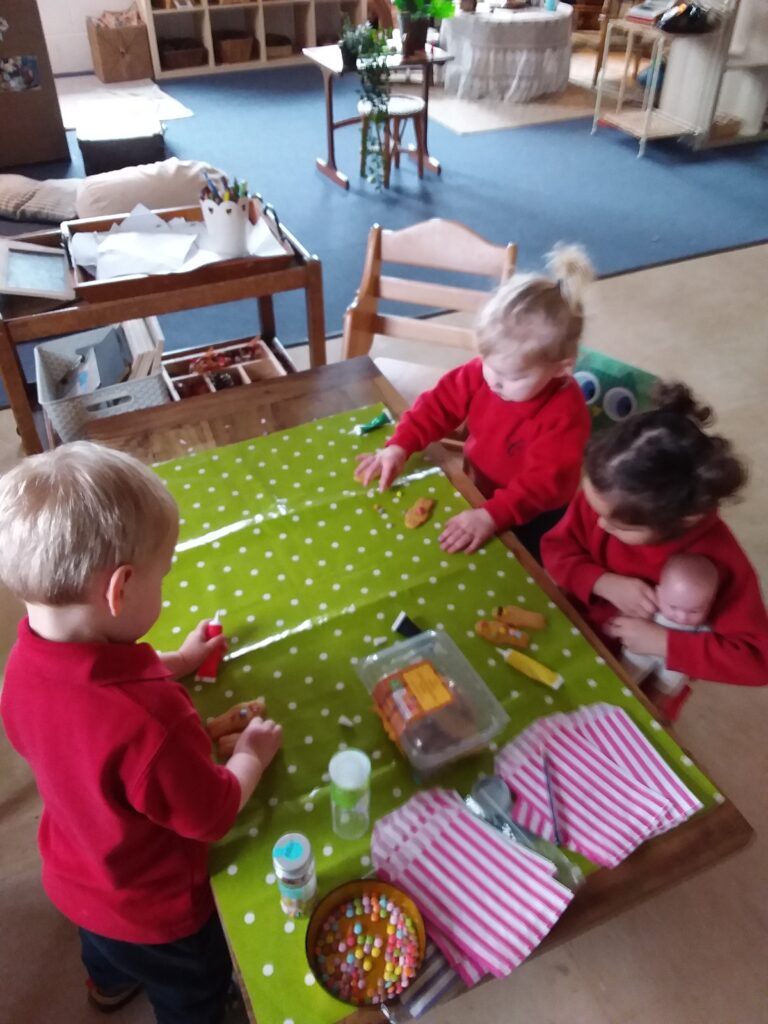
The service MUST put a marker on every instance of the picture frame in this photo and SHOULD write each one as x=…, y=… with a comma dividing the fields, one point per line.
x=35, y=271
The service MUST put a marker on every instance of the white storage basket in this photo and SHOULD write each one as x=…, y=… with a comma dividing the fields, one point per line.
x=69, y=416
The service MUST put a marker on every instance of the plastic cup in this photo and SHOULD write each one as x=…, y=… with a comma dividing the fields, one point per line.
x=350, y=772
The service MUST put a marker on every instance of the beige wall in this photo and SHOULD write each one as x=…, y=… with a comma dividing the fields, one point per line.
x=65, y=35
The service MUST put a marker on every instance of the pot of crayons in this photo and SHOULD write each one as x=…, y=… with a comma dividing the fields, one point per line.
x=225, y=213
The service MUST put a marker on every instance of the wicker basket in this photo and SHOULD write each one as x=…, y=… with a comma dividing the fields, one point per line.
x=278, y=46
x=182, y=53
x=70, y=416
x=233, y=47
x=725, y=126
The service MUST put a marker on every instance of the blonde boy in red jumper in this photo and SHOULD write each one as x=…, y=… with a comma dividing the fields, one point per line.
x=131, y=795
x=526, y=417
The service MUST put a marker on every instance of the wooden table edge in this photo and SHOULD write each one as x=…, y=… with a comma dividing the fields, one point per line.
x=704, y=840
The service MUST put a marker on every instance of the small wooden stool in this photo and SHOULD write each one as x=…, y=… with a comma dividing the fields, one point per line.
x=400, y=109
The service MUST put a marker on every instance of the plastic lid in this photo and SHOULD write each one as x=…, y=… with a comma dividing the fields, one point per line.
x=290, y=854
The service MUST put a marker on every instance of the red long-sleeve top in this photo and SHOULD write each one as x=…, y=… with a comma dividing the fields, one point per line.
x=577, y=552
x=131, y=796
x=528, y=454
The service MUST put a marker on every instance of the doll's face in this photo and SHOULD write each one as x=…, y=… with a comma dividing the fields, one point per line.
x=684, y=599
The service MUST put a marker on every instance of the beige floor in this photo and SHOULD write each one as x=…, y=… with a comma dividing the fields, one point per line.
x=696, y=955
x=469, y=116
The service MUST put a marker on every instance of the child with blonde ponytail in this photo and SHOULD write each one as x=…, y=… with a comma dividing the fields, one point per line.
x=526, y=418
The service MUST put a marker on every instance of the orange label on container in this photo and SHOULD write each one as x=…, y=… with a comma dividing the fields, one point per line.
x=427, y=686
x=409, y=695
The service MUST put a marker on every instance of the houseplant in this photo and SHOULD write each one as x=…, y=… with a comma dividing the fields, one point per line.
x=415, y=17
x=373, y=69
x=353, y=41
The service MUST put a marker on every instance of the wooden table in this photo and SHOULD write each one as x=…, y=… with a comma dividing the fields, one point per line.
x=168, y=432
x=28, y=320
x=329, y=60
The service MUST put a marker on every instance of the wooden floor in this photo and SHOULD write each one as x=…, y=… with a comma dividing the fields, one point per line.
x=695, y=955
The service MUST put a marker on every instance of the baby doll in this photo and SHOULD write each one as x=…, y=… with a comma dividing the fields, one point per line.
x=684, y=596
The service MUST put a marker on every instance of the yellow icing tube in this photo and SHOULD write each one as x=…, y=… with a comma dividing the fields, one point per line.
x=533, y=669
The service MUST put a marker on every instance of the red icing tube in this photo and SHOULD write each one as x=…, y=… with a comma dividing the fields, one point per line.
x=210, y=667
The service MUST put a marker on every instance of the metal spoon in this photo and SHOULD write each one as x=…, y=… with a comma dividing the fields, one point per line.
x=494, y=798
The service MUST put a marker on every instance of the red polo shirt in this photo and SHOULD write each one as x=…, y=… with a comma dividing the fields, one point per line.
x=577, y=552
x=131, y=795
x=526, y=455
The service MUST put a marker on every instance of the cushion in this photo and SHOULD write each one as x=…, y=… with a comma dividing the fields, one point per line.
x=167, y=183
x=49, y=202
x=613, y=390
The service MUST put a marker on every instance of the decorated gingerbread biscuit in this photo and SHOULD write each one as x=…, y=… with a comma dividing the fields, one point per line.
x=236, y=719
x=500, y=633
x=419, y=513
x=521, y=618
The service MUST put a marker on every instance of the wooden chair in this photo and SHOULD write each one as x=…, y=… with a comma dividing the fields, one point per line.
x=612, y=10
x=437, y=245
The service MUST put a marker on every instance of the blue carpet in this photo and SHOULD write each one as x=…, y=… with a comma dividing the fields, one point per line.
x=533, y=185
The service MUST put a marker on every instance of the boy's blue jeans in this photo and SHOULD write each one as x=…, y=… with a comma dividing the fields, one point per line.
x=186, y=981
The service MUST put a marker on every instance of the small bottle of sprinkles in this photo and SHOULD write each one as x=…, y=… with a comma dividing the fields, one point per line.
x=294, y=865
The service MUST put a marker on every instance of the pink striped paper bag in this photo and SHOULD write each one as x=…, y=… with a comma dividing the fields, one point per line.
x=611, y=790
x=614, y=733
x=488, y=902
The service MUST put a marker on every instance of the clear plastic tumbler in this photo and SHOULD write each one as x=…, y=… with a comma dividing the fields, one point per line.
x=350, y=772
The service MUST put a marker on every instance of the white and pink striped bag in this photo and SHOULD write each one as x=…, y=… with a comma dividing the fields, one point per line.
x=488, y=902
x=611, y=790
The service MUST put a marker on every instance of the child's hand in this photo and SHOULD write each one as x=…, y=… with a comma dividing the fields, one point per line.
x=630, y=595
x=196, y=649
x=385, y=464
x=467, y=531
x=262, y=738
x=639, y=635
x=254, y=750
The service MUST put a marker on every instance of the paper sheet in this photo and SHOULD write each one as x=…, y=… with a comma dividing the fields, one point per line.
x=144, y=244
x=127, y=252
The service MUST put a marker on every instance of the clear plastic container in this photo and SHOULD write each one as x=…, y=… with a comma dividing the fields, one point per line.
x=432, y=702
x=350, y=772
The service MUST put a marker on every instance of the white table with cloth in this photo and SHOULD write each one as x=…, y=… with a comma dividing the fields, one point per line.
x=513, y=55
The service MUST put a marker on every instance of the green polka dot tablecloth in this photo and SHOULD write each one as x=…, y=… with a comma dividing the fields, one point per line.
x=310, y=575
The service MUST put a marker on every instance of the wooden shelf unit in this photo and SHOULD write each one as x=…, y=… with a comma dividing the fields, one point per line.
x=304, y=22
x=722, y=75
x=715, y=86
x=130, y=298
x=644, y=122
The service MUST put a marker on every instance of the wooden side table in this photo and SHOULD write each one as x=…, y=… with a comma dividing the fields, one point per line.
x=215, y=283
x=329, y=60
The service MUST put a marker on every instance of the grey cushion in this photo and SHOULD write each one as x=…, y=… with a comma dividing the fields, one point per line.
x=49, y=202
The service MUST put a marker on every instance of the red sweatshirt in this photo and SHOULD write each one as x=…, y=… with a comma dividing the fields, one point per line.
x=529, y=452
x=577, y=552
x=131, y=796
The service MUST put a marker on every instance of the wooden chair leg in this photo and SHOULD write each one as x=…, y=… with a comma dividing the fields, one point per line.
x=600, y=49
x=364, y=147
x=397, y=130
x=387, y=151
x=418, y=125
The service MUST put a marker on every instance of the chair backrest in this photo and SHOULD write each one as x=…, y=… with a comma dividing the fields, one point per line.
x=440, y=245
